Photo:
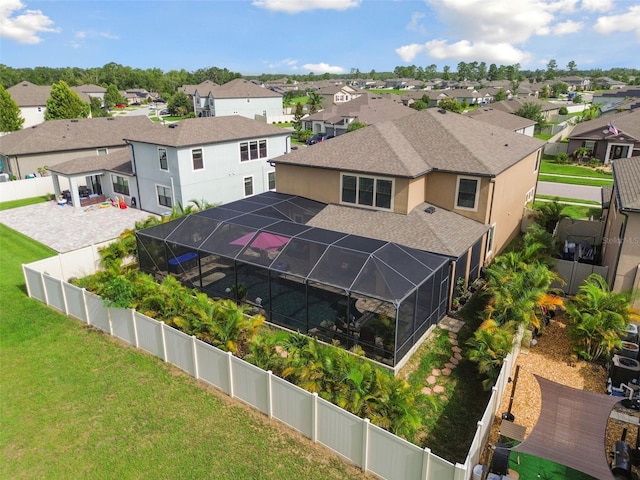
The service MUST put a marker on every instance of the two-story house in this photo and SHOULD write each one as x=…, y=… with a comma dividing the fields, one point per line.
x=215, y=159
x=434, y=180
x=620, y=245
x=337, y=94
x=240, y=97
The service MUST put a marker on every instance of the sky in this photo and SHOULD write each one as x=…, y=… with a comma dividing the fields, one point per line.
x=252, y=37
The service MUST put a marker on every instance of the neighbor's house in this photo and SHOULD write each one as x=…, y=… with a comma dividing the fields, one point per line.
x=505, y=120
x=218, y=160
x=549, y=111
x=621, y=250
x=434, y=180
x=32, y=99
x=237, y=97
x=337, y=94
x=601, y=140
x=56, y=141
x=91, y=91
x=575, y=83
x=367, y=108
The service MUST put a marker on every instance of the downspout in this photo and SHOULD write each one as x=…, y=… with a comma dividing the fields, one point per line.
x=620, y=245
x=135, y=172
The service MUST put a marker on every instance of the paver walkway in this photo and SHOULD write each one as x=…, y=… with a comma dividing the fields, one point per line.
x=64, y=228
x=453, y=325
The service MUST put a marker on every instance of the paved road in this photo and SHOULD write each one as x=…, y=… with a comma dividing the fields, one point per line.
x=581, y=192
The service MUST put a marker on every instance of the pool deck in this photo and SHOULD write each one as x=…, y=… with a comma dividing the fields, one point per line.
x=64, y=228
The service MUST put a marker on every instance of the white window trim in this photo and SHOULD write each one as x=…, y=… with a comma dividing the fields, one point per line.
x=166, y=152
x=158, y=195
x=124, y=177
x=253, y=186
x=375, y=179
x=492, y=244
x=475, y=202
x=248, y=142
x=274, y=177
x=529, y=197
x=193, y=169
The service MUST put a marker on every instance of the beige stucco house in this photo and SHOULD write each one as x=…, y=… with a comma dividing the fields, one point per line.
x=435, y=180
x=621, y=241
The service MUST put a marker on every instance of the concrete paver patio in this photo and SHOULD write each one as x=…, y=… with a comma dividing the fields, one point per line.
x=64, y=228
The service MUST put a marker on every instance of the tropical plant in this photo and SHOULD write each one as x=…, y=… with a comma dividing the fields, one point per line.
x=233, y=329
x=532, y=111
x=315, y=102
x=597, y=318
x=489, y=346
x=548, y=214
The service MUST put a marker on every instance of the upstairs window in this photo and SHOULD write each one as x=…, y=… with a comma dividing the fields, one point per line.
x=253, y=150
x=367, y=191
x=162, y=156
x=198, y=162
x=467, y=192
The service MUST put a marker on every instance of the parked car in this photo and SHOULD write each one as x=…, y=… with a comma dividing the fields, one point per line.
x=164, y=112
x=160, y=100
x=317, y=138
x=121, y=105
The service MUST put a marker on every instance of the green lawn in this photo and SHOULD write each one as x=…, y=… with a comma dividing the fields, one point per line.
x=573, y=170
x=578, y=212
x=78, y=404
x=594, y=182
x=23, y=202
x=567, y=200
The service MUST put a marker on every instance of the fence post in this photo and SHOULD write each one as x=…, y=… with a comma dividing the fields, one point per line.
x=135, y=327
x=230, y=373
x=496, y=399
x=269, y=393
x=365, y=443
x=109, y=318
x=164, y=342
x=426, y=463
x=460, y=472
x=24, y=274
x=196, y=373
x=86, y=306
x=64, y=297
x=44, y=289
x=314, y=416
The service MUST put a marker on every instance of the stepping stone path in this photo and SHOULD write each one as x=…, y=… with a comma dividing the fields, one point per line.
x=453, y=326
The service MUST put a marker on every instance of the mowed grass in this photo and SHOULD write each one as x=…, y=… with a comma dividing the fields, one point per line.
x=23, y=202
x=78, y=404
x=573, y=170
x=593, y=182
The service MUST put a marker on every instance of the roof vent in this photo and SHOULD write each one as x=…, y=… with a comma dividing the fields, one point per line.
x=173, y=125
x=110, y=118
x=430, y=209
x=442, y=110
x=74, y=120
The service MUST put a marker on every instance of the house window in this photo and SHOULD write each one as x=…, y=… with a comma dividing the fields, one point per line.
x=198, y=162
x=253, y=150
x=272, y=180
x=538, y=156
x=102, y=151
x=367, y=191
x=590, y=145
x=490, y=239
x=120, y=185
x=164, y=196
x=248, y=186
x=162, y=156
x=467, y=192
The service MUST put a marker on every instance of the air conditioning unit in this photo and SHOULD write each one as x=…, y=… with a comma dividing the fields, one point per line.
x=631, y=335
x=624, y=370
x=4, y=177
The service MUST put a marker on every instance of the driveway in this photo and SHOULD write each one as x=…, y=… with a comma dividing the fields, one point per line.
x=63, y=228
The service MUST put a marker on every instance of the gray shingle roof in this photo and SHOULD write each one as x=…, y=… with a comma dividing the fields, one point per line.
x=513, y=105
x=416, y=144
x=67, y=135
x=626, y=122
x=442, y=231
x=367, y=108
x=240, y=88
x=204, y=130
x=119, y=161
x=27, y=94
x=500, y=118
x=626, y=176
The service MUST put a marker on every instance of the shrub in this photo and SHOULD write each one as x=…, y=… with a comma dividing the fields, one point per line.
x=562, y=158
x=563, y=111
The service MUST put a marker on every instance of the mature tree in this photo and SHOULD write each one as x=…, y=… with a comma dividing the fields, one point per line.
x=559, y=88
x=431, y=71
x=446, y=75
x=597, y=318
x=298, y=113
x=96, y=108
x=552, y=66
x=463, y=71
x=315, y=102
x=545, y=91
x=493, y=72
x=500, y=95
x=10, y=118
x=113, y=96
x=179, y=104
x=419, y=105
x=532, y=111
x=451, y=104
x=65, y=103
x=572, y=66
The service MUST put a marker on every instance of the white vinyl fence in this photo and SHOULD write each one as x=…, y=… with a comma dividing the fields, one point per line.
x=371, y=448
x=26, y=188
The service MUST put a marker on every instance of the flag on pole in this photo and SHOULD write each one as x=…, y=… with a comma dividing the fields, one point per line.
x=613, y=129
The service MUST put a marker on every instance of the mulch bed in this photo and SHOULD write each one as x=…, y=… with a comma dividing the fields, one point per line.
x=552, y=358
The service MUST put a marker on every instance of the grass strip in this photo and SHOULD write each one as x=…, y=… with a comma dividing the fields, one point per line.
x=78, y=404
x=591, y=182
x=572, y=170
x=23, y=202
x=567, y=200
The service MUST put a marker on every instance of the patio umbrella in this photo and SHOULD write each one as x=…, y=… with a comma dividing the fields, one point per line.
x=263, y=241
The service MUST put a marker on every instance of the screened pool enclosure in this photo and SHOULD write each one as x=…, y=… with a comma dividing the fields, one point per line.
x=359, y=291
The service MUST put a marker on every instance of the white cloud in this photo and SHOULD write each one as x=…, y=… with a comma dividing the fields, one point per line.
x=626, y=22
x=317, y=68
x=297, y=6
x=503, y=53
x=80, y=35
x=287, y=62
x=567, y=27
x=24, y=27
x=597, y=5
x=415, y=25
x=109, y=36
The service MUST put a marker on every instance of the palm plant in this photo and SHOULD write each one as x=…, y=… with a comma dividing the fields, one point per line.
x=232, y=328
x=315, y=102
x=597, y=318
x=549, y=214
x=489, y=346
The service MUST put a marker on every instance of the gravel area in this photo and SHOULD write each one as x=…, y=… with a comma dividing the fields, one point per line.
x=551, y=358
